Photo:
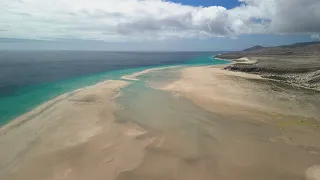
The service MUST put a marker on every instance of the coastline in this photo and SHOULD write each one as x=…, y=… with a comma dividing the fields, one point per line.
x=226, y=120
x=220, y=69
x=77, y=133
x=303, y=78
x=29, y=115
x=42, y=107
x=244, y=60
x=195, y=85
x=81, y=120
x=236, y=89
x=134, y=76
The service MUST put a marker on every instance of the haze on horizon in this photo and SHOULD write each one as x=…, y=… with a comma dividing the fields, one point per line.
x=156, y=24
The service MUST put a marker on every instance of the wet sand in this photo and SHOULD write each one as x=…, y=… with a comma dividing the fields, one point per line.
x=71, y=137
x=267, y=130
x=206, y=124
x=229, y=92
x=134, y=76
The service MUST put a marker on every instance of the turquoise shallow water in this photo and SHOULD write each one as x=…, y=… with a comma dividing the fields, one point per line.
x=28, y=98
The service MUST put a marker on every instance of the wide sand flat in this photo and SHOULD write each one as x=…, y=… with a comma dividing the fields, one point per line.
x=71, y=137
x=272, y=131
x=250, y=130
x=235, y=93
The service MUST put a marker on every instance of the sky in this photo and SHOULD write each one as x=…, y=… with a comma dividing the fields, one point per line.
x=156, y=25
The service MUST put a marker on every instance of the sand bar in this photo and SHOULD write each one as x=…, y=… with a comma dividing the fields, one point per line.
x=71, y=137
x=134, y=76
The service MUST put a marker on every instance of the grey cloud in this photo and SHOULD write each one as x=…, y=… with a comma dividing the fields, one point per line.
x=149, y=25
x=138, y=26
x=217, y=26
x=15, y=40
x=22, y=14
x=315, y=37
x=99, y=14
x=296, y=16
x=214, y=26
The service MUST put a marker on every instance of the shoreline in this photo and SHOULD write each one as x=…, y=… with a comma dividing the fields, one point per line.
x=39, y=109
x=17, y=121
x=193, y=84
x=280, y=124
x=196, y=88
x=43, y=107
x=134, y=76
x=77, y=124
x=245, y=60
x=237, y=106
x=78, y=135
x=80, y=120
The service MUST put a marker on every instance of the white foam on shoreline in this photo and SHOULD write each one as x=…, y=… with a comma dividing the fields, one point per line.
x=134, y=76
x=42, y=107
x=38, y=110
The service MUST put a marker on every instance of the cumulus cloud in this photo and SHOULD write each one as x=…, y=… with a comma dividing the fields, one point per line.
x=315, y=37
x=125, y=20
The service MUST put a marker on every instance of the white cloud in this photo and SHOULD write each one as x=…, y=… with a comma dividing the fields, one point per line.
x=125, y=20
x=315, y=37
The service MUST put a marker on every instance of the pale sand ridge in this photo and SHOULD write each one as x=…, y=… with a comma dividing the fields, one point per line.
x=243, y=60
x=134, y=76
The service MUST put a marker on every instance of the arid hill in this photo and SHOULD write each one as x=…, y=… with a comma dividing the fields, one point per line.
x=297, y=64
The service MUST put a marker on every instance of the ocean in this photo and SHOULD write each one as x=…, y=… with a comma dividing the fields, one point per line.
x=30, y=78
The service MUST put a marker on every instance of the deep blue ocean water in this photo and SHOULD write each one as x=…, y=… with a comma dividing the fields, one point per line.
x=29, y=78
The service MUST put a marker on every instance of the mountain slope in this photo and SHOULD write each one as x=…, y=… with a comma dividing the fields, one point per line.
x=299, y=49
x=254, y=48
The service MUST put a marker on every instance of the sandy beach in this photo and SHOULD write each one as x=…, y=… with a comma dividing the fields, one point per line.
x=239, y=91
x=134, y=76
x=280, y=141
x=159, y=89
x=71, y=137
x=208, y=124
